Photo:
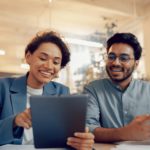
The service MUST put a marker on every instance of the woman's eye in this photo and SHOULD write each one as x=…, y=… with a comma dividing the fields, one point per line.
x=42, y=58
x=56, y=62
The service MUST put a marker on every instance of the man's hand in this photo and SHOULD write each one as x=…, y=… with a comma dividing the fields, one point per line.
x=23, y=119
x=138, y=129
x=82, y=141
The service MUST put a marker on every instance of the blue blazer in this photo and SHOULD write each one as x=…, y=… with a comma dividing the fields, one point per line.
x=13, y=95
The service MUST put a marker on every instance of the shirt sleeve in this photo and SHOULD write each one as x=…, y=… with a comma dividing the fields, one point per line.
x=93, y=111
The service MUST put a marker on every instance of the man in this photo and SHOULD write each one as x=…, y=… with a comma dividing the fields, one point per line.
x=119, y=107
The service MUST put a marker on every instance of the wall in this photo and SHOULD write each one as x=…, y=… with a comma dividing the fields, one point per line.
x=146, y=27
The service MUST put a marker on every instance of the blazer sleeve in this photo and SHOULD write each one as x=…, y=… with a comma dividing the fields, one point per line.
x=8, y=134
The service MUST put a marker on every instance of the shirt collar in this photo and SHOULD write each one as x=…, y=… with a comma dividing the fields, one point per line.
x=116, y=86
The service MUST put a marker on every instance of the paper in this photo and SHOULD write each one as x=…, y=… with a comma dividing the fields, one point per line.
x=25, y=147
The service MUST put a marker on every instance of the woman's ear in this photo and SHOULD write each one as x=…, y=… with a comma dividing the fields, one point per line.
x=28, y=57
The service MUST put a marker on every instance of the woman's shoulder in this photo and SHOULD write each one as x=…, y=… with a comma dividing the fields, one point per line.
x=10, y=80
x=5, y=84
x=6, y=81
x=59, y=87
x=57, y=84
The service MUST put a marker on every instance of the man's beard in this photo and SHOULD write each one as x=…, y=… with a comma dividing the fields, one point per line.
x=128, y=75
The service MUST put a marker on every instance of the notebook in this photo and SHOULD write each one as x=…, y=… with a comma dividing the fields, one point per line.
x=55, y=118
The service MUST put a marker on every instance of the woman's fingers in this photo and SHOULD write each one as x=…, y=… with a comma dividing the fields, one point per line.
x=23, y=119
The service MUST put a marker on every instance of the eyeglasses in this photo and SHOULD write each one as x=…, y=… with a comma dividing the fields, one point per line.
x=123, y=58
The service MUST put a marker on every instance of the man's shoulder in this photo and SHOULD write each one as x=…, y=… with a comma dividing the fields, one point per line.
x=141, y=83
x=99, y=82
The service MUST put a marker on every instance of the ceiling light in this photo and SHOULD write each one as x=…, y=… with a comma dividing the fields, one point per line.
x=83, y=42
x=2, y=52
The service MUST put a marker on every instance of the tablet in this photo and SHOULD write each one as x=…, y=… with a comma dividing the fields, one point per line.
x=55, y=118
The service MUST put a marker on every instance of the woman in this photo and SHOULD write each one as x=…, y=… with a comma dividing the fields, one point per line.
x=46, y=55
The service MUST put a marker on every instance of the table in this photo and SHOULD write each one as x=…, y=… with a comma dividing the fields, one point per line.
x=100, y=146
x=31, y=147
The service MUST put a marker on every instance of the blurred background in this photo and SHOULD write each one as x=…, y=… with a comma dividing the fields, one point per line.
x=85, y=26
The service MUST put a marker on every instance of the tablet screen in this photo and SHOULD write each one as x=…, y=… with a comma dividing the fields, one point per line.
x=55, y=118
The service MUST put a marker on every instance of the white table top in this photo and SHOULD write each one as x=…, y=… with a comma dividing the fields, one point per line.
x=31, y=147
x=129, y=145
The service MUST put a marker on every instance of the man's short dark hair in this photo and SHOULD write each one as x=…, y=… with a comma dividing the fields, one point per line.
x=51, y=37
x=127, y=38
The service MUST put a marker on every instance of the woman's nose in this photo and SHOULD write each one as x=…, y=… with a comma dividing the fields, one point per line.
x=49, y=64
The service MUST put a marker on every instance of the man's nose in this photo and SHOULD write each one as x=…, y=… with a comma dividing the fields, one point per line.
x=116, y=61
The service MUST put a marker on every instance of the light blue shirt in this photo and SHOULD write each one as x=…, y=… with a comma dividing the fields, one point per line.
x=110, y=107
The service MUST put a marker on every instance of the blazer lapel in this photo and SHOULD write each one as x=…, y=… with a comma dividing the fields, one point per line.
x=18, y=94
x=49, y=89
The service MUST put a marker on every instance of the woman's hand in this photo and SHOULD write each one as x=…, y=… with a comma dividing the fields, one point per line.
x=81, y=141
x=23, y=119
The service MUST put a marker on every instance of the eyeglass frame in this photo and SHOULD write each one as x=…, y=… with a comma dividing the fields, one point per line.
x=119, y=58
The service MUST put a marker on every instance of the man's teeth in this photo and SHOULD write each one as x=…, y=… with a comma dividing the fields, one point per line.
x=116, y=70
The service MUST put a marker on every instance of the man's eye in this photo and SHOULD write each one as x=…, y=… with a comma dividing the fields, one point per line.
x=124, y=58
x=111, y=57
